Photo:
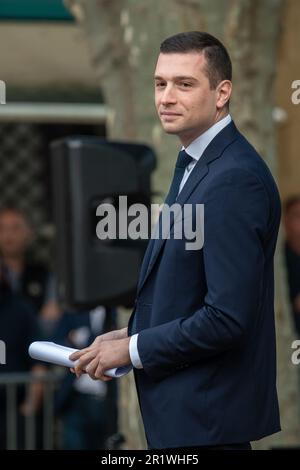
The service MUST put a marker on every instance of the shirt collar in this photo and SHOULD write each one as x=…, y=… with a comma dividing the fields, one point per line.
x=197, y=147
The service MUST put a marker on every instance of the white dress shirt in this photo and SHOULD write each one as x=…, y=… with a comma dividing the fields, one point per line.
x=195, y=150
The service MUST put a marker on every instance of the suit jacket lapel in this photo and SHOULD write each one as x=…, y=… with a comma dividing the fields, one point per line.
x=213, y=151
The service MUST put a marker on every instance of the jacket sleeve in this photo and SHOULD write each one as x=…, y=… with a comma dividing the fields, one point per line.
x=236, y=221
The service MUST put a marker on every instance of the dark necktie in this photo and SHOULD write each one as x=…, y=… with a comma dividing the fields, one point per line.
x=183, y=160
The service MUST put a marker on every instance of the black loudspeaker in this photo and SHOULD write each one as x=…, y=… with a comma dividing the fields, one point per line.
x=86, y=172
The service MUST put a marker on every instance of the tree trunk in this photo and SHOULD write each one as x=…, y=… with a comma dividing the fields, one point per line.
x=124, y=38
x=252, y=33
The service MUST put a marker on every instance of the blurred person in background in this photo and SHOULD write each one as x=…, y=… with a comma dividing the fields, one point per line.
x=292, y=254
x=28, y=311
x=18, y=327
x=23, y=275
x=87, y=408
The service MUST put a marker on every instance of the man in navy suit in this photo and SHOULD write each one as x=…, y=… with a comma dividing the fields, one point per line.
x=201, y=337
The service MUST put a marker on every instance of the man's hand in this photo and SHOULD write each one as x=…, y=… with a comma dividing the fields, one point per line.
x=111, y=335
x=103, y=354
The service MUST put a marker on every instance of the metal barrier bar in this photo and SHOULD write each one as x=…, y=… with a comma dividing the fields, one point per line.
x=48, y=417
x=11, y=381
x=28, y=377
x=82, y=113
x=11, y=416
x=30, y=431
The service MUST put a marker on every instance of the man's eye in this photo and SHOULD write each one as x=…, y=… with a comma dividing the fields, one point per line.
x=185, y=85
x=159, y=84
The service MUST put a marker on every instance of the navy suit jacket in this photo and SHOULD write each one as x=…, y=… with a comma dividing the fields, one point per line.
x=206, y=318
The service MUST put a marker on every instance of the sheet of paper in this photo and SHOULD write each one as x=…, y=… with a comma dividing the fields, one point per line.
x=57, y=354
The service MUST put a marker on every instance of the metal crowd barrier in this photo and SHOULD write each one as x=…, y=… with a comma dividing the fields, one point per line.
x=11, y=382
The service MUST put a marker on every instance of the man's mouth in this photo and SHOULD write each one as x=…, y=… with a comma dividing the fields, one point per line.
x=167, y=116
x=168, y=113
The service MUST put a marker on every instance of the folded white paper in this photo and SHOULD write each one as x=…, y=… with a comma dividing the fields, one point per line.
x=57, y=354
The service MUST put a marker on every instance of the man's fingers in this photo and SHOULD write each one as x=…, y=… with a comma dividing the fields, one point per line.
x=97, y=341
x=82, y=362
x=86, y=359
x=100, y=374
x=78, y=354
x=91, y=368
x=95, y=370
x=105, y=378
x=82, y=359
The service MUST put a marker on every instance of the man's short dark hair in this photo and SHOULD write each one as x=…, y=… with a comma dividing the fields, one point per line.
x=217, y=58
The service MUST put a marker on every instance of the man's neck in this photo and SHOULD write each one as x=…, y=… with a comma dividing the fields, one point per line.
x=187, y=140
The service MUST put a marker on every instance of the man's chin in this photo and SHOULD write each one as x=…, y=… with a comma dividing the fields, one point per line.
x=171, y=130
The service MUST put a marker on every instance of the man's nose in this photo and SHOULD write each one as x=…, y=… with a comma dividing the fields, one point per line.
x=168, y=96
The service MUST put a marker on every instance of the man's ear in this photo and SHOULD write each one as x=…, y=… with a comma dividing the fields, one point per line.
x=224, y=89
